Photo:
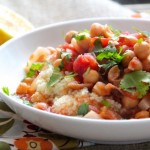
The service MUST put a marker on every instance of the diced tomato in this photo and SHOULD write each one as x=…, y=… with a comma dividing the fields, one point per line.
x=104, y=41
x=128, y=40
x=107, y=113
x=82, y=63
x=138, y=35
x=67, y=46
x=68, y=66
x=133, y=96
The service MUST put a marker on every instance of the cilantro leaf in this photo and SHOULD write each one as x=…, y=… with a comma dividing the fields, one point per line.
x=83, y=109
x=136, y=81
x=110, y=53
x=62, y=65
x=81, y=35
x=106, y=103
x=140, y=40
x=67, y=57
x=97, y=45
x=115, y=31
x=71, y=75
x=31, y=73
x=34, y=68
x=55, y=77
x=107, y=65
x=5, y=90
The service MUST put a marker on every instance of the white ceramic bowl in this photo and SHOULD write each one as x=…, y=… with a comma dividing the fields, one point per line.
x=13, y=57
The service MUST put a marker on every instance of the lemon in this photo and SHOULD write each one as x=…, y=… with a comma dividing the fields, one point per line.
x=12, y=24
x=4, y=36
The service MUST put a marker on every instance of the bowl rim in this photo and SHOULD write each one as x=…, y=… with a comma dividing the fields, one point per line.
x=75, y=118
x=59, y=116
x=39, y=29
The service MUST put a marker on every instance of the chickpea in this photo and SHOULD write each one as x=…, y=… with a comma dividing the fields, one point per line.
x=38, y=97
x=69, y=36
x=129, y=54
x=96, y=29
x=142, y=50
x=41, y=106
x=108, y=114
x=142, y=114
x=28, y=81
x=113, y=74
x=144, y=103
x=107, y=32
x=57, y=62
x=75, y=45
x=54, y=54
x=91, y=77
x=33, y=85
x=129, y=103
x=135, y=64
x=146, y=64
x=82, y=45
x=23, y=88
x=101, y=89
x=124, y=49
x=85, y=43
x=40, y=54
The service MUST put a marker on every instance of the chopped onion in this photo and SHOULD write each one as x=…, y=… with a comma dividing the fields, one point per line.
x=144, y=103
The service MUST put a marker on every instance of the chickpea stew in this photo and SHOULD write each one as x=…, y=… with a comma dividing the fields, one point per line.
x=100, y=73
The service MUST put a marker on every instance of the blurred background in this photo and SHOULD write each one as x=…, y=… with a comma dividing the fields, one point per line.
x=132, y=1
x=44, y=12
x=140, y=6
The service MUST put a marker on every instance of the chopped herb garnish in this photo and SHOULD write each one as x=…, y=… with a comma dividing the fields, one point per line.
x=61, y=66
x=110, y=53
x=5, y=90
x=140, y=40
x=34, y=68
x=26, y=102
x=115, y=31
x=142, y=32
x=97, y=45
x=71, y=75
x=55, y=77
x=31, y=73
x=83, y=109
x=137, y=81
x=67, y=57
x=107, y=65
x=87, y=71
x=106, y=103
x=81, y=35
x=85, y=31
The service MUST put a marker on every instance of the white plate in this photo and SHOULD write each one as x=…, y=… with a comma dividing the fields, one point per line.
x=13, y=57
